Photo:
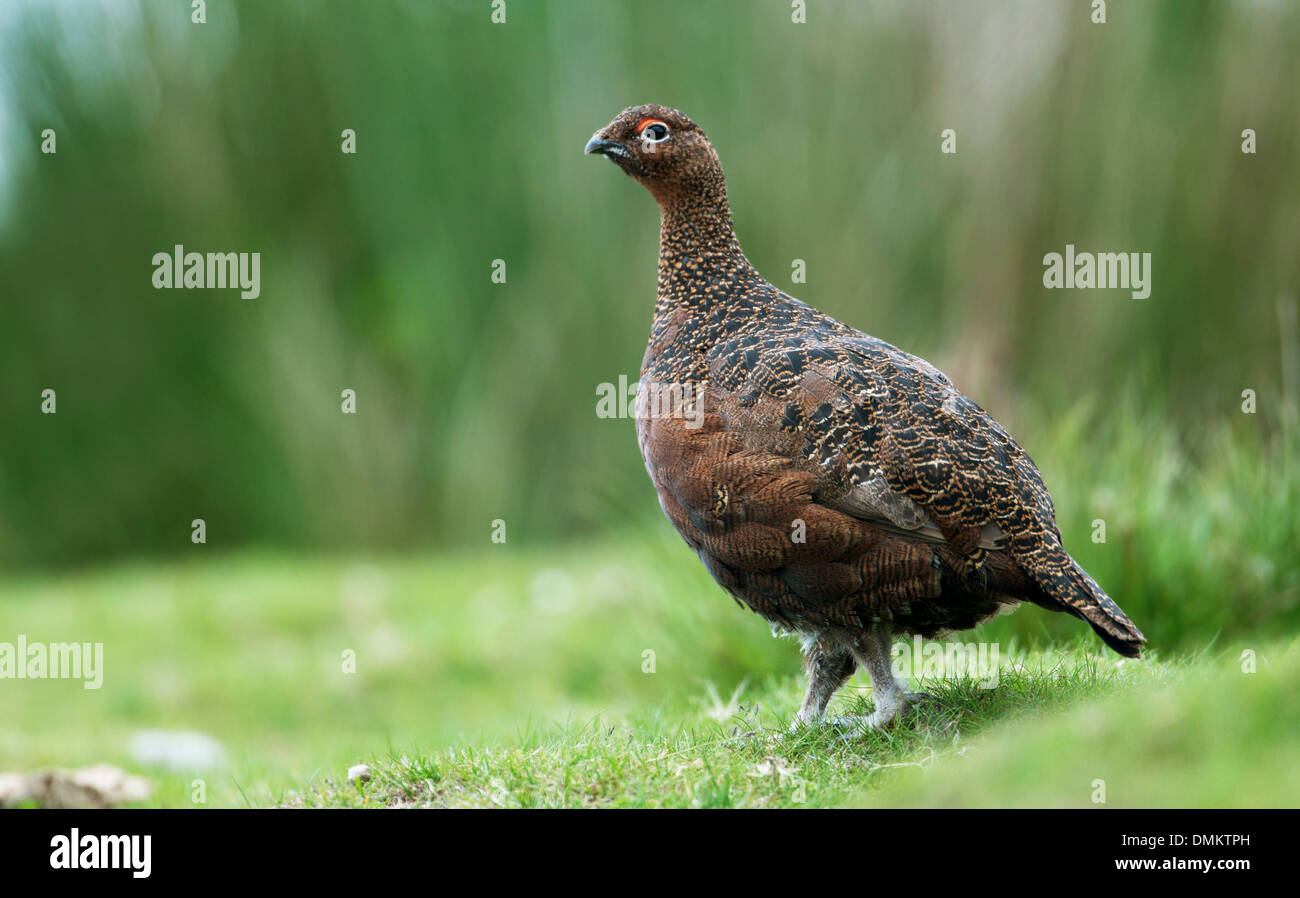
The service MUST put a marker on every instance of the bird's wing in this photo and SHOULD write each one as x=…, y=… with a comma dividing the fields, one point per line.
x=874, y=500
x=901, y=446
x=897, y=442
x=898, y=433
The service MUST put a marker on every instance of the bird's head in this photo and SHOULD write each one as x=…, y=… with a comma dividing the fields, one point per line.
x=664, y=150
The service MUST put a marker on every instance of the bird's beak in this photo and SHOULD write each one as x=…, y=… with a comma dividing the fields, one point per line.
x=603, y=147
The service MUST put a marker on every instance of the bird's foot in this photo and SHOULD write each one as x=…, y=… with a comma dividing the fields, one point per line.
x=863, y=723
x=804, y=720
x=882, y=717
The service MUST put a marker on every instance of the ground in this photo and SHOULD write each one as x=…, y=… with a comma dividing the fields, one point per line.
x=604, y=676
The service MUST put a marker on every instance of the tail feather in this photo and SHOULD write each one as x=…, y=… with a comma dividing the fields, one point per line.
x=1070, y=589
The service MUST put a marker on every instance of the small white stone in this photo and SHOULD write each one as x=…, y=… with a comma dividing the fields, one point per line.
x=177, y=749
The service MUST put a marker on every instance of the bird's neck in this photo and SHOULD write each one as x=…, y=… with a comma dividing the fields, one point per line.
x=701, y=264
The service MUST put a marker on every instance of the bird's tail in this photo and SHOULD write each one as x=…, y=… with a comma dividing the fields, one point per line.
x=1071, y=589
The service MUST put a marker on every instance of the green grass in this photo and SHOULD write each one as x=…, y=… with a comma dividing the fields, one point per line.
x=1201, y=733
x=1167, y=734
x=514, y=677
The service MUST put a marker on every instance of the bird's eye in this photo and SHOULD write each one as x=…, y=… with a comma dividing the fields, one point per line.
x=655, y=132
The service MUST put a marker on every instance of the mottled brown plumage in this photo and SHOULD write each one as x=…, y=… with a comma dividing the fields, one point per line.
x=833, y=483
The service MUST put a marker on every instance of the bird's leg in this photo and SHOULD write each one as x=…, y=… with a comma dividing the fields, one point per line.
x=872, y=651
x=828, y=665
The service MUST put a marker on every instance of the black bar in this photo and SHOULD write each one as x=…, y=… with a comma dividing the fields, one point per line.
x=672, y=848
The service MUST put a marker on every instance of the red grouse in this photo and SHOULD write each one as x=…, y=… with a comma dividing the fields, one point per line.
x=836, y=485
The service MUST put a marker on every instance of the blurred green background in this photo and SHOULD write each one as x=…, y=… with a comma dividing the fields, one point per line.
x=476, y=401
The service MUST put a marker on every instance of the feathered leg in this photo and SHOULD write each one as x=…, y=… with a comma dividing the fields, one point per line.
x=873, y=651
x=828, y=665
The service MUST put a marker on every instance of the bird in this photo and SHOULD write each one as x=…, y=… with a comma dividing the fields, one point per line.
x=841, y=488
